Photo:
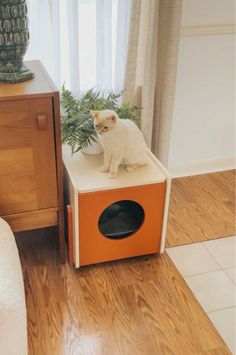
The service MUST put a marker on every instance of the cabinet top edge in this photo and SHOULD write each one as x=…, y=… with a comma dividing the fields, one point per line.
x=40, y=85
x=83, y=170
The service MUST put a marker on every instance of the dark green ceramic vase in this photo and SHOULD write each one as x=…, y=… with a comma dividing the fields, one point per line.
x=14, y=39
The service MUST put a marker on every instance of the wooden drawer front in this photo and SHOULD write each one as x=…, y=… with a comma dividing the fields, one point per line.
x=27, y=156
x=32, y=220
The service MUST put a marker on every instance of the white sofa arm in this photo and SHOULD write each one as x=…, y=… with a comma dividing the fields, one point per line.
x=13, y=322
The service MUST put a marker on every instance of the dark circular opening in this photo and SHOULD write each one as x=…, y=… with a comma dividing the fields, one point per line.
x=121, y=219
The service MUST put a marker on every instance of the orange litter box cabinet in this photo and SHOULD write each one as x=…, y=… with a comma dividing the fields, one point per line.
x=111, y=219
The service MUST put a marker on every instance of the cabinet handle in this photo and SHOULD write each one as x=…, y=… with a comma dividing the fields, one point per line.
x=41, y=121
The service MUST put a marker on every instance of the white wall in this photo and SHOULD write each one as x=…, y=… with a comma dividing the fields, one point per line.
x=203, y=120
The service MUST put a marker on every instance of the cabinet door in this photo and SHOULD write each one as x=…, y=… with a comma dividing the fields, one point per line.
x=27, y=156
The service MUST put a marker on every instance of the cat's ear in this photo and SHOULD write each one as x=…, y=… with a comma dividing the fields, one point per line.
x=112, y=118
x=94, y=113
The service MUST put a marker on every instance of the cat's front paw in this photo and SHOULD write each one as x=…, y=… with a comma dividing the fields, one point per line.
x=131, y=167
x=112, y=174
x=103, y=169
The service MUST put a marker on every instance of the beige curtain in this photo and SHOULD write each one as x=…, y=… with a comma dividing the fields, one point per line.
x=151, y=68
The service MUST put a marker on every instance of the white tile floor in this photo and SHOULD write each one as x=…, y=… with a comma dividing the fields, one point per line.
x=209, y=270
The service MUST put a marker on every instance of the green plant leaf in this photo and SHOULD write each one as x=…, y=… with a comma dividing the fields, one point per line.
x=76, y=122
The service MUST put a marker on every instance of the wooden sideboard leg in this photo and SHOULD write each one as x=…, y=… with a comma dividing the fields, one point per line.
x=61, y=235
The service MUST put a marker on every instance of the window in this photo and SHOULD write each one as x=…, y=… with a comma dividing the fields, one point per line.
x=82, y=43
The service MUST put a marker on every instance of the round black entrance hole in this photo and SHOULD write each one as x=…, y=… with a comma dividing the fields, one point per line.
x=121, y=219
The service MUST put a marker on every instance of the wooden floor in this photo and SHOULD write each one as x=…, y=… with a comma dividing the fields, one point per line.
x=135, y=306
x=201, y=208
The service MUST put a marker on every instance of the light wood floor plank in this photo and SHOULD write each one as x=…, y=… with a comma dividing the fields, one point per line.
x=201, y=208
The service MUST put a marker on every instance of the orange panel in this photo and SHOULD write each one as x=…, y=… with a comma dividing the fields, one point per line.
x=70, y=234
x=95, y=248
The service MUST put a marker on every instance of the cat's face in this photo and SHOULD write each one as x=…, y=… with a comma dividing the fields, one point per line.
x=104, y=121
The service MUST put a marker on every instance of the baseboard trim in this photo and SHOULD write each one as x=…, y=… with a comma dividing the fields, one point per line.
x=203, y=30
x=202, y=167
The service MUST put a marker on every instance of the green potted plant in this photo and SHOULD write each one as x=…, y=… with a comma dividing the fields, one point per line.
x=77, y=123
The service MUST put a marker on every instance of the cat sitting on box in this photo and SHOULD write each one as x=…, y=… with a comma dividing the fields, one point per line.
x=122, y=142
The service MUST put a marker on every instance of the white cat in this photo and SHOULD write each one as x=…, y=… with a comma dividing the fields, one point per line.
x=122, y=141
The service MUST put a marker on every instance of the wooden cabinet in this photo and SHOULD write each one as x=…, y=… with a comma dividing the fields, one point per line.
x=30, y=154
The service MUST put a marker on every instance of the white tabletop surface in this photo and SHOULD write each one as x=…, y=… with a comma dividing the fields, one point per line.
x=84, y=173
